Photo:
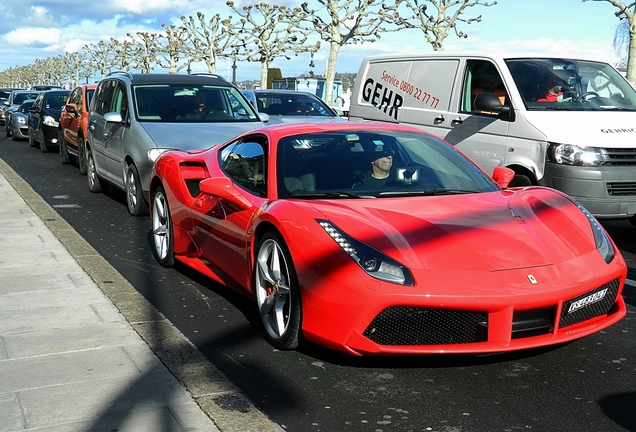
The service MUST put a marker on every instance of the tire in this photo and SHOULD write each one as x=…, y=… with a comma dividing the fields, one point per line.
x=64, y=156
x=162, y=233
x=43, y=147
x=95, y=184
x=81, y=149
x=135, y=200
x=520, y=180
x=7, y=130
x=277, y=292
x=31, y=140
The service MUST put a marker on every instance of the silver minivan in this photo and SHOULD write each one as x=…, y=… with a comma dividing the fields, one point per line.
x=135, y=117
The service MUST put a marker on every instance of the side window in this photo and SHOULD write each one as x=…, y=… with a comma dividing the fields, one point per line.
x=120, y=101
x=481, y=76
x=104, y=96
x=244, y=163
x=38, y=102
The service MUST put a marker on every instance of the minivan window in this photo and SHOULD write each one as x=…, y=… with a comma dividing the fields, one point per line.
x=188, y=104
x=571, y=85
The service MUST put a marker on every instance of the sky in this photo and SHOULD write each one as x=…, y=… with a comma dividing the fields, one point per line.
x=37, y=29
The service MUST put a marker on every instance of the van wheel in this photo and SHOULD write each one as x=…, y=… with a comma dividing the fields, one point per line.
x=135, y=200
x=520, y=180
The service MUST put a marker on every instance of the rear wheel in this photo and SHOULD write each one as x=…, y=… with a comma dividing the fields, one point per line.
x=162, y=228
x=277, y=292
x=135, y=200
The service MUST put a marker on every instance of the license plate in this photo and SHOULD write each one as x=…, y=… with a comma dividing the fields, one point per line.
x=586, y=301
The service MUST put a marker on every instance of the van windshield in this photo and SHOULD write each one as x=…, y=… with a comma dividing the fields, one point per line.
x=571, y=85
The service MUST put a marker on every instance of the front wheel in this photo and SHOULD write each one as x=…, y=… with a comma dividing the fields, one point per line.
x=162, y=228
x=134, y=194
x=64, y=156
x=94, y=182
x=277, y=292
x=81, y=150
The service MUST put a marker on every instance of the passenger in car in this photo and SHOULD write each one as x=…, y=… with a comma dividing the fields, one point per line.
x=381, y=162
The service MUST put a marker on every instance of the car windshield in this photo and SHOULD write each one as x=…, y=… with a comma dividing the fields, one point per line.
x=278, y=103
x=18, y=98
x=571, y=85
x=341, y=165
x=24, y=108
x=55, y=101
x=187, y=104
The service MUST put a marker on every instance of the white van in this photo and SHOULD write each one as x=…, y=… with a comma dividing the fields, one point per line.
x=565, y=123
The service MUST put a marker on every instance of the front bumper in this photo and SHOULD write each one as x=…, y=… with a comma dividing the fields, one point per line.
x=608, y=192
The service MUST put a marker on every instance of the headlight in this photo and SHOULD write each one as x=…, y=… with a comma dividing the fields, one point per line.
x=153, y=154
x=22, y=120
x=569, y=154
x=50, y=121
x=603, y=243
x=371, y=260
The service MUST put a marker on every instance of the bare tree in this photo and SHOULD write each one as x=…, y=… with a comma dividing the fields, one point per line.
x=145, y=51
x=209, y=39
x=175, y=48
x=272, y=30
x=626, y=34
x=348, y=22
x=99, y=57
x=123, y=53
x=438, y=24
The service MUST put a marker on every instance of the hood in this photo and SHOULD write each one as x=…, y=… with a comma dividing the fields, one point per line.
x=616, y=129
x=191, y=136
x=485, y=232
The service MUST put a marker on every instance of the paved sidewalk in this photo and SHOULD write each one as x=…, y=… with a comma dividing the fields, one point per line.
x=81, y=350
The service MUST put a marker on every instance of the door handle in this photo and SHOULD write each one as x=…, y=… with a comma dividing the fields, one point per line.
x=456, y=122
x=438, y=120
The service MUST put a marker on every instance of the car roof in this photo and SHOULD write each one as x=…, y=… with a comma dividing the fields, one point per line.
x=165, y=78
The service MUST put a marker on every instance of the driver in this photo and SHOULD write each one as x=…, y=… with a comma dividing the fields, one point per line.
x=381, y=162
x=554, y=93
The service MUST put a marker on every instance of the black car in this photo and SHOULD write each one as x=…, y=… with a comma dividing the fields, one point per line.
x=44, y=118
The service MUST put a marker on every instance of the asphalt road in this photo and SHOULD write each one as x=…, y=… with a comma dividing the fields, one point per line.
x=587, y=385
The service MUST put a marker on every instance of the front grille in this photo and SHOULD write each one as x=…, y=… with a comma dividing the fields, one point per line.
x=619, y=156
x=404, y=325
x=585, y=306
x=533, y=322
x=621, y=188
x=193, y=187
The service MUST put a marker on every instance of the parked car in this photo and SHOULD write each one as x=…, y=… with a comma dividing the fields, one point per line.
x=134, y=117
x=44, y=118
x=74, y=125
x=5, y=92
x=316, y=220
x=284, y=106
x=18, y=123
x=16, y=97
x=44, y=87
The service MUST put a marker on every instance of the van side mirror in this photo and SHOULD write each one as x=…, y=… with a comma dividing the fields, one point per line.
x=503, y=176
x=488, y=101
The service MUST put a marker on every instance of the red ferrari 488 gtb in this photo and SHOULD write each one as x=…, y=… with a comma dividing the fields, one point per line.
x=373, y=238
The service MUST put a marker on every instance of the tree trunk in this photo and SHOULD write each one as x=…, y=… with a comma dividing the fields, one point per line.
x=264, y=66
x=631, y=55
x=330, y=73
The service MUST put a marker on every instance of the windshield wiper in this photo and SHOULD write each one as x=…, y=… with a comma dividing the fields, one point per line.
x=328, y=195
x=426, y=192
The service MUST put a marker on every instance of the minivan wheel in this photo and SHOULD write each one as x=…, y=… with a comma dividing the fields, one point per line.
x=94, y=182
x=81, y=150
x=135, y=200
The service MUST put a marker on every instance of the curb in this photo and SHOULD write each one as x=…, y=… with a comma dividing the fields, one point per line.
x=228, y=408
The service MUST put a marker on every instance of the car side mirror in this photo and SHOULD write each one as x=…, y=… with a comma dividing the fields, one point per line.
x=264, y=117
x=503, y=176
x=71, y=108
x=223, y=188
x=113, y=117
